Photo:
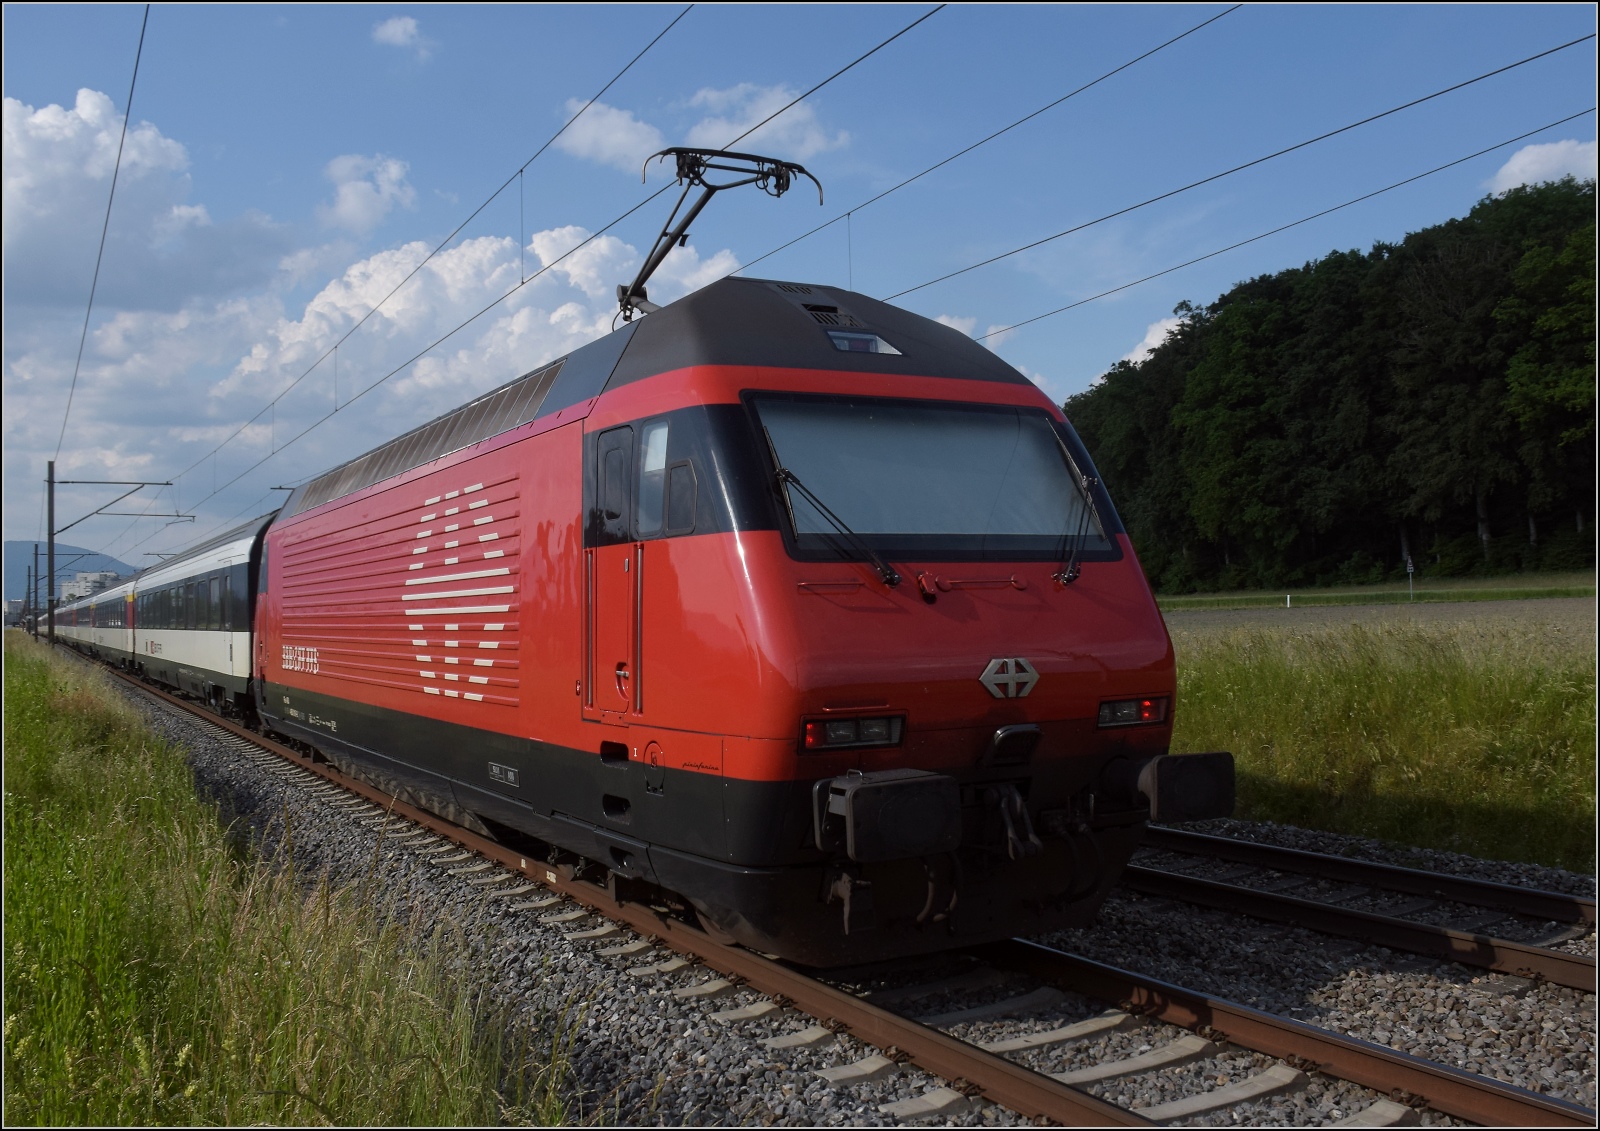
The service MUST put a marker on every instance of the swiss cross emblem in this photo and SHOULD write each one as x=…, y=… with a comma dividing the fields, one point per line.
x=1010, y=677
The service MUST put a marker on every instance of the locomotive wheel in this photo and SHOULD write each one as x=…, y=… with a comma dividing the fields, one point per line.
x=716, y=933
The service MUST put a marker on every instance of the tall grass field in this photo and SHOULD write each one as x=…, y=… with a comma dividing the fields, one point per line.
x=154, y=974
x=1473, y=738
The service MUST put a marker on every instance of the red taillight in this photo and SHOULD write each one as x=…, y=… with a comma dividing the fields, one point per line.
x=1133, y=712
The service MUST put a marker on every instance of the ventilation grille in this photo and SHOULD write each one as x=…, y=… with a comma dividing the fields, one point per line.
x=794, y=288
x=499, y=411
x=831, y=315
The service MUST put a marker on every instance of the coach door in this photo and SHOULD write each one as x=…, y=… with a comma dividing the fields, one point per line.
x=614, y=684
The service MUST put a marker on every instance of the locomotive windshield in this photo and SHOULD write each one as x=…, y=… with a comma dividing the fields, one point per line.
x=935, y=480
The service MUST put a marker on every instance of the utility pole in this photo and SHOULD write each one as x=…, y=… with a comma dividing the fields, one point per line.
x=33, y=592
x=50, y=586
x=132, y=484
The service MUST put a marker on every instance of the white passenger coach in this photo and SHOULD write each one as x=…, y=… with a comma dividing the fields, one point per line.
x=185, y=623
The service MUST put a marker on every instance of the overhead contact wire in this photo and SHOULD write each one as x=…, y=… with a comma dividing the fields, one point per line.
x=443, y=243
x=439, y=341
x=1286, y=227
x=104, y=228
x=1240, y=168
x=848, y=66
x=985, y=141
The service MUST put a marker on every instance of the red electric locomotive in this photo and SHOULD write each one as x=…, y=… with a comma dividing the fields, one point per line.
x=802, y=607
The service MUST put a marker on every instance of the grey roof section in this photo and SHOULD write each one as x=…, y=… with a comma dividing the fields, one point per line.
x=733, y=321
x=770, y=323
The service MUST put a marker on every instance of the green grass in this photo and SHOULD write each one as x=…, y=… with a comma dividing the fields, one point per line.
x=154, y=975
x=1471, y=738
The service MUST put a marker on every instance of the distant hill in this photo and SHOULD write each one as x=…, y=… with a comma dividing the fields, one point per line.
x=69, y=560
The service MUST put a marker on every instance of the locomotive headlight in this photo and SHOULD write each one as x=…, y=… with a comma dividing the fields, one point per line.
x=835, y=734
x=1133, y=712
x=840, y=732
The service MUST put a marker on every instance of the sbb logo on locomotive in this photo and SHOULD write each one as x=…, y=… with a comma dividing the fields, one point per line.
x=298, y=659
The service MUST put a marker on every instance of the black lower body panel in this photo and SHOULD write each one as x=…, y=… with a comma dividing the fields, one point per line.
x=782, y=897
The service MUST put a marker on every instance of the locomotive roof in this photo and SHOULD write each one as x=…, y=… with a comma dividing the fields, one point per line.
x=734, y=321
x=767, y=322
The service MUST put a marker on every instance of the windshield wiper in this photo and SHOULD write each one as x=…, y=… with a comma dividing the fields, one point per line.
x=1070, y=570
x=890, y=576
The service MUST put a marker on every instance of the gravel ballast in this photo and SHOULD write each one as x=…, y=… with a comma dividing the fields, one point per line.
x=643, y=1056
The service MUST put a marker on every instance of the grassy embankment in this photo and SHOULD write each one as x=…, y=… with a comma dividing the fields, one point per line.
x=155, y=976
x=1474, y=738
x=1518, y=587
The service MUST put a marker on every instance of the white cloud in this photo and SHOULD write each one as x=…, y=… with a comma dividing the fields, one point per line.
x=1154, y=335
x=161, y=386
x=965, y=325
x=402, y=32
x=610, y=136
x=396, y=31
x=160, y=250
x=366, y=190
x=1549, y=161
x=795, y=135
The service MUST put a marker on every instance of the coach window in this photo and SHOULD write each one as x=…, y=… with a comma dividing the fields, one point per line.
x=188, y=605
x=652, y=478
x=241, y=596
x=225, y=603
x=214, y=605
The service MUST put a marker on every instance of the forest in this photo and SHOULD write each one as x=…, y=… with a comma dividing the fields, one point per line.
x=1431, y=399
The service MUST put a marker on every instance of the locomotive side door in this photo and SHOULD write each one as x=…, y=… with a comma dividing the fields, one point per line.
x=611, y=584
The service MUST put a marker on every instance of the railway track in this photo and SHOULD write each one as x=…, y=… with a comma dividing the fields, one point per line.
x=1313, y=890
x=1179, y=1026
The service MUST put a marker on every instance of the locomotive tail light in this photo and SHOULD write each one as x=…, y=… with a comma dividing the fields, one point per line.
x=1134, y=712
x=836, y=734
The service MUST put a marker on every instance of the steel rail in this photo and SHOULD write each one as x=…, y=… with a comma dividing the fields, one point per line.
x=1551, y=906
x=972, y=1070
x=1452, y=1091
x=1483, y=951
x=969, y=1068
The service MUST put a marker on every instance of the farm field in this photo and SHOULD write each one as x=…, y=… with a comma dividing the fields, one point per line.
x=1465, y=726
x=157, y=974
x=1426, y=590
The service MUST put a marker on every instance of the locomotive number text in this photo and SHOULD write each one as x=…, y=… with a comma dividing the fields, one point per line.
x=298, y=659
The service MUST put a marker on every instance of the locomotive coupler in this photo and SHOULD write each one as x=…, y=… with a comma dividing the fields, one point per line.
x=936, y=889
x=856, y=895
x=1021, y=840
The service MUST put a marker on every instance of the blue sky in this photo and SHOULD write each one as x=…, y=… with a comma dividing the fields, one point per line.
x=285, y=167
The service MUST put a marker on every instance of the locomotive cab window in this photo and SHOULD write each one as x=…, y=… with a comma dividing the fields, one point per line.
x=652, y=478
x=929, y=480
x=615, y=460
x=680, y=498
